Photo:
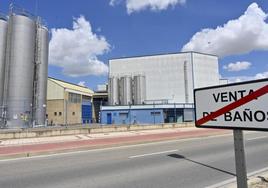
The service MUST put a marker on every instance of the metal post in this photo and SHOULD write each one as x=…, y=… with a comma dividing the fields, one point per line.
x=129, y=114
x=154, y=112
x=175, y=113
x=240, y=161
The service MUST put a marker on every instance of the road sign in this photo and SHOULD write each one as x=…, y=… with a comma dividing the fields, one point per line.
x=239, y=106
x=233, y=106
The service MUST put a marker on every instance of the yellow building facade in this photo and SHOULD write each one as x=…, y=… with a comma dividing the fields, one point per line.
x=68, y=104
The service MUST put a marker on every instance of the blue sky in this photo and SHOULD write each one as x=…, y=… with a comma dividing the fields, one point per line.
x=107, y=29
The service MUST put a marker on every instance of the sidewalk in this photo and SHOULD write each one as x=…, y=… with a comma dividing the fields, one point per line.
x=259, y=180
x=36, y=146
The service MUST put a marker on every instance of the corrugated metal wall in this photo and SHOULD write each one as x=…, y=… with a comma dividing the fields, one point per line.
x=86, y=110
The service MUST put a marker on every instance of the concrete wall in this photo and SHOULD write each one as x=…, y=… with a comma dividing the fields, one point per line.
x=61, y=131
x=55, y=111
x=61, y=111
x=206, y=70
x=74, y=115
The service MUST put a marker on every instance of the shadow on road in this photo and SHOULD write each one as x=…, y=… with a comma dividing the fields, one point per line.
x=177, y=156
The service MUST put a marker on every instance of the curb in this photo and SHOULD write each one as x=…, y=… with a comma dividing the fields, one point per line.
x=252, y=181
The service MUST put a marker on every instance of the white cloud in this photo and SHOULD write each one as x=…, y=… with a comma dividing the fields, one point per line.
x=246, y=78
x=261, y=75
x=114, y=2
x=154, y=5
x=247, y=33
x=238, y=66
x=82, y=83
x=76, y=49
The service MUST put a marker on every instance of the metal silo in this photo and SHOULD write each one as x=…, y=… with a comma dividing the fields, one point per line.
x=22, y=31
x=139, y=89
x=113, y=96
x=41, y=75
x=3, y=36
x=125, y=90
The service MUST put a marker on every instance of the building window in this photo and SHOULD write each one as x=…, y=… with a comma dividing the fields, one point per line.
x=155, y=113
x=74, y=98
x=55, y=113
x=86, y=99
x=123, y=115
x=59, y=113
x=73, y=113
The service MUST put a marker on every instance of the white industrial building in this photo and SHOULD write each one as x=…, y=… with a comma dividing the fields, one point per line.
x=165, y=79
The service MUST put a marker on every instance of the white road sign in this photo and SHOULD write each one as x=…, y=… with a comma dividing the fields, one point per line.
x=241, y=105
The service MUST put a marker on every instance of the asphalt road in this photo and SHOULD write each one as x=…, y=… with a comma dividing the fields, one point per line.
x=179, y=163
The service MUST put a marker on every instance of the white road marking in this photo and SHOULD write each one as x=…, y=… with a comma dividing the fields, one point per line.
x=260, y=137
x=150, y=154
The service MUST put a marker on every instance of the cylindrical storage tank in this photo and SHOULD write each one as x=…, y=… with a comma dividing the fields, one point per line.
x=113, y=89
x=3, y=39
x=21, y=71
x=139, y=89
x=125, y=90
x=41, y=75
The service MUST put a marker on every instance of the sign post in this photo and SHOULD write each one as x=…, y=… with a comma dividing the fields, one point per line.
x=238, y=106
x=240, y=161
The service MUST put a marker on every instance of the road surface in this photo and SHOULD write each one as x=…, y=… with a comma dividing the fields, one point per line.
x=198, y=162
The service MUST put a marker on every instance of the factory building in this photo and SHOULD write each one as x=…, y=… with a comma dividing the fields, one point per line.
x=157, y=88
x=68, y=104
x=23, y=69
x=100, y=98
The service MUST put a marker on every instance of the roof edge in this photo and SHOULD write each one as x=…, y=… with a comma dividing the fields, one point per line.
x=160, y=54
x=52, y=79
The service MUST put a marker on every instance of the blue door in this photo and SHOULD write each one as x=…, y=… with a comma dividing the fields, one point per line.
x=86, y=114
x=109, y=118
